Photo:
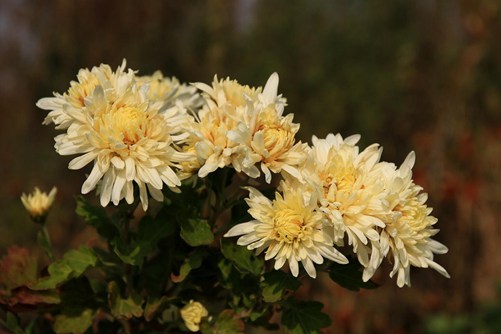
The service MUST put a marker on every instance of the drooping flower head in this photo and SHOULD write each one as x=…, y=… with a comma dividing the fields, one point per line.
x=406, y=238
x=350, y=193
x=38, y=203
x=129, y=138
x=289, y=229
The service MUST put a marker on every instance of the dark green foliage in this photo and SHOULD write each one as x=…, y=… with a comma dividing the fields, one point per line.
x=349, y=276
x=304, y=317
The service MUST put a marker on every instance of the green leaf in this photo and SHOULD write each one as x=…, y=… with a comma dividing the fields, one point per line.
x=123, y=307
x=349, y=276
x=304, y=317
x=226, y=323
x=72, y=265
x=244, y=259
x=96, y=217
x=196, y=232
x=275, y=283
x=193, y=261
x=151, y=231
x=73, y=321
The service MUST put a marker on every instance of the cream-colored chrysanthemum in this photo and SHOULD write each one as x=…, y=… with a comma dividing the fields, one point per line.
x=38, y=203
x=192, y=315
x=225, y=106
x=407, y=236
x=290, y=229
x=129, y=138
x=244, y=127
x=170, y=91
x=350, y=193
x=266, y=137
x=65, y=108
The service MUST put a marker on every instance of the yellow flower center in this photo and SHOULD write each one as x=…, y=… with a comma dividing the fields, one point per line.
x=130, y=122
x=277, y=139
x=126, y=124
x=288, y=225
x=342, y=176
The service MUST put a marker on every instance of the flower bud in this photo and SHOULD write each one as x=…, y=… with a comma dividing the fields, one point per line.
x=38, y=203
x=192, y=314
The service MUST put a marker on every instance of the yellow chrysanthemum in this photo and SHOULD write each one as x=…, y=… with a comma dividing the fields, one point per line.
x=38, y=203
x=128, y=137
x=192, y=315
x=289, y=229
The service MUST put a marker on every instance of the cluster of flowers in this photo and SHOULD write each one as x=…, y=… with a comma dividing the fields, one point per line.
x=151, y=130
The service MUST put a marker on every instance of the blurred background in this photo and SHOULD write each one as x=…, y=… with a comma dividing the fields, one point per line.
x=421, y=75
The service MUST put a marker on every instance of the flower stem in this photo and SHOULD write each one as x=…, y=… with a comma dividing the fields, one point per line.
x=43, y=239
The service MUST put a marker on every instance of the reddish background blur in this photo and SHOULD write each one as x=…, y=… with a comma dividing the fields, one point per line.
x=421, y=75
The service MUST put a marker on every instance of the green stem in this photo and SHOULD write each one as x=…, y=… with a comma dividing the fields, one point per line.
x=45, y=243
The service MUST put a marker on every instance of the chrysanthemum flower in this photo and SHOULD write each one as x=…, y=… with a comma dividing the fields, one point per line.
x=267, y=138
x=38, y=203
x=225, y=105
x=407, y=236
x=170, y=91
x=244, y=127
x=349, y=192
x=192, y=315
x=289, y=229
x=64, y=108
x=128, y=137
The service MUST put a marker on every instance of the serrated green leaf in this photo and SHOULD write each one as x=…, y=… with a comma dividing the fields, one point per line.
x=73, y=321
x=96, y=217
x=72, y=265
x=275, y=283
x=226, y=323
x=304, y=317
x=123, y=307
x=349, y=276
x=243, y=258
x=196, y=232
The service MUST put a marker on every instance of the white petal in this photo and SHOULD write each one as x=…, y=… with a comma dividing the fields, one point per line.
x=117, y=188
x=94, y=177
x=241, y=229
x=293, y=265
x=82, y=160
x=271, y=89
x=310, y=268
x=107, y=187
